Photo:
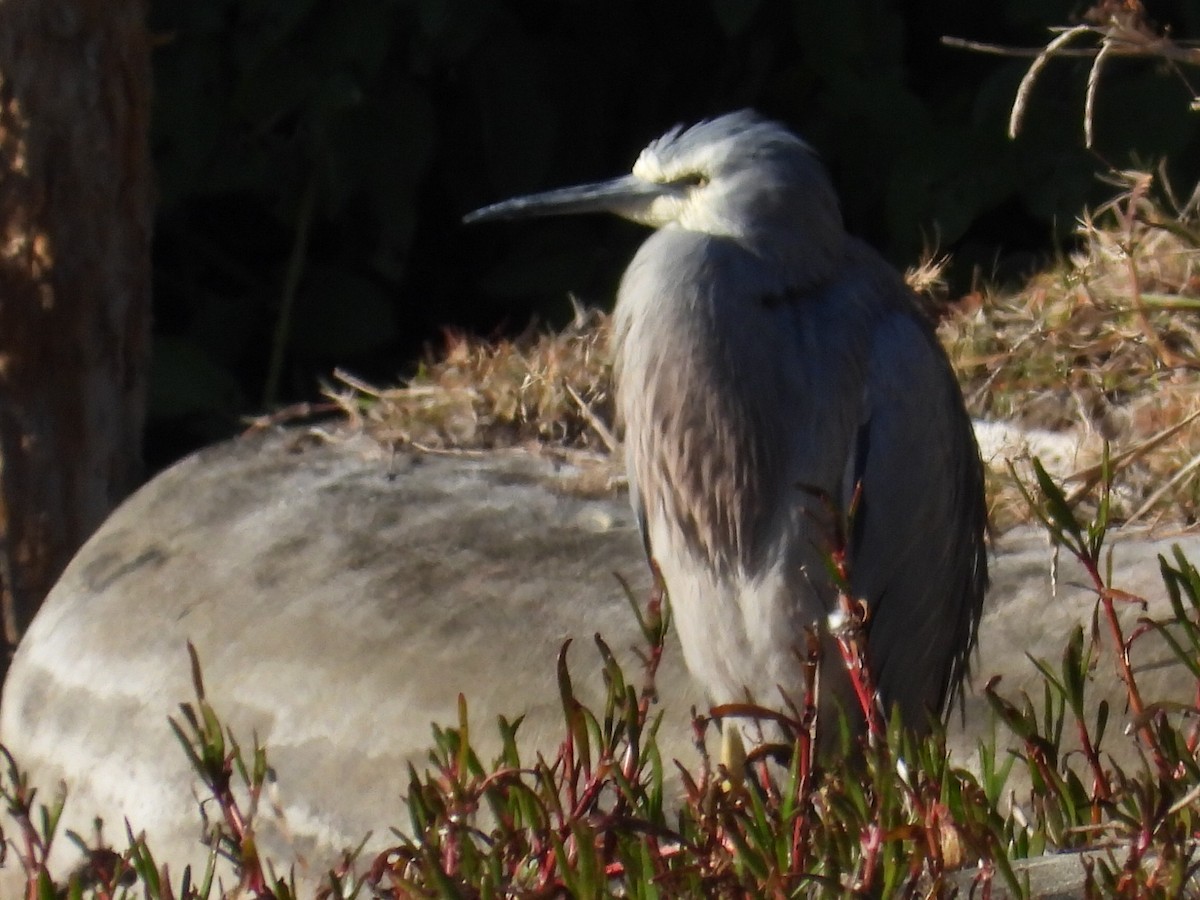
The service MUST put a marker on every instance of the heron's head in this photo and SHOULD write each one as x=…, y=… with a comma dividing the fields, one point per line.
x=738, y=176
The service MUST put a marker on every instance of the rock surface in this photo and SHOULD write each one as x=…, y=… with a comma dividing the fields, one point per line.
x=340, y=599
x=339, y=602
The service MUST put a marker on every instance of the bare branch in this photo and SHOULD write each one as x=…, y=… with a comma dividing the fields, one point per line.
x=1121, y=30
x=1035, y=69
x=997, y=50
x=1089, y=103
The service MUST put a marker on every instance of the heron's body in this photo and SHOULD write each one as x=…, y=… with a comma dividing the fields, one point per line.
x=767, y=363
x=742, y=407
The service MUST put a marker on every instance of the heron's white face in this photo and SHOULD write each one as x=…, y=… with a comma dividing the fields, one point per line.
x=686, y=201
x=733, y=177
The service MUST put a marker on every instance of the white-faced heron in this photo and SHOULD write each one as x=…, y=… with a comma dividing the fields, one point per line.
x=769, y=365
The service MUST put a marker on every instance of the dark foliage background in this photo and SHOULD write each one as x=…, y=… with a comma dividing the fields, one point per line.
x=315, y=156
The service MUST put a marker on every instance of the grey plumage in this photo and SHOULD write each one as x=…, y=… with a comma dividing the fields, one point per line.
x=766, y=362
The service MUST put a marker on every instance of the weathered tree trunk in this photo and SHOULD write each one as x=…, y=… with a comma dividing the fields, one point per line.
x=75, y=223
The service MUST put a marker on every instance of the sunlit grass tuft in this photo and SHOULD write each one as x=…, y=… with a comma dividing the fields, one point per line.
x=1105, y=345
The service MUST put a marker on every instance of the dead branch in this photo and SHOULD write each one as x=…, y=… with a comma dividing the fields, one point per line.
x=1120, y=28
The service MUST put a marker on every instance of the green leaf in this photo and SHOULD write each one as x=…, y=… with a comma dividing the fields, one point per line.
x=1074, y=669
x=45, y=886
x=1101, y=723
x=1057, y=509
x=1098, y=527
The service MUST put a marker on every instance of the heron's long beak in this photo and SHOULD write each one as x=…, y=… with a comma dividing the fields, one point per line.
x=627, y=196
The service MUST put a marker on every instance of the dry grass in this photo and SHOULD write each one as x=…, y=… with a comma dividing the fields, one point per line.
x=1105, y=345
x=549, y=390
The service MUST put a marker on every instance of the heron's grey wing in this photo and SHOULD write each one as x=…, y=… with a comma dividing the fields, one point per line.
x=917, y=548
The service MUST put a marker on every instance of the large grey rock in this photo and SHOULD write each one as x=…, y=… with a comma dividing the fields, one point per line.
x=340, y=600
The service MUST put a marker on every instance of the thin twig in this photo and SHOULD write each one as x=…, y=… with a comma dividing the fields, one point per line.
x=1172, y=51
x=353, y=381
x=1179, y=476
x=460, y=452
x=1035, y=69
x=292, y=413
x=1093, y=83
x=1017, y=52
x=1090, y=476
x=1125, y=33
x=606, y=436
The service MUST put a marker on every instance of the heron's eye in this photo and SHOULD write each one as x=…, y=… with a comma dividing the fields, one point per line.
x=692, y=179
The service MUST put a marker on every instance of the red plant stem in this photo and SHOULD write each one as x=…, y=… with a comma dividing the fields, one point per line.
x=450, y=852
x=1125, y=670
x=570, y=770
x=805, y=750
x=1124, y=667
x=591, y=791
x=1133, y=862
x=33, y=862
x=1101, y=789
x=872, y=843
x=233, y=815
x=1043, y=765
x=849, y=643
x=254, y=879
x=799, y=857
x=33, y=859
x=931, y=817
x=849, y=639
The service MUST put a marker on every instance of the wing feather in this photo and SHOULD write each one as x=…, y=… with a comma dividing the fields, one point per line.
x=918, y=553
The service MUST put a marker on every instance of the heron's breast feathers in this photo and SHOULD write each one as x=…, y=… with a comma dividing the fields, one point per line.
x=703, y=462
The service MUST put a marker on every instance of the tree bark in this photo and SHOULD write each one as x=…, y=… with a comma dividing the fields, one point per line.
x=75, y=226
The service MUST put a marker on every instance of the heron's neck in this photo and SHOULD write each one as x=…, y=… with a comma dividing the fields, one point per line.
x=803, y=249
